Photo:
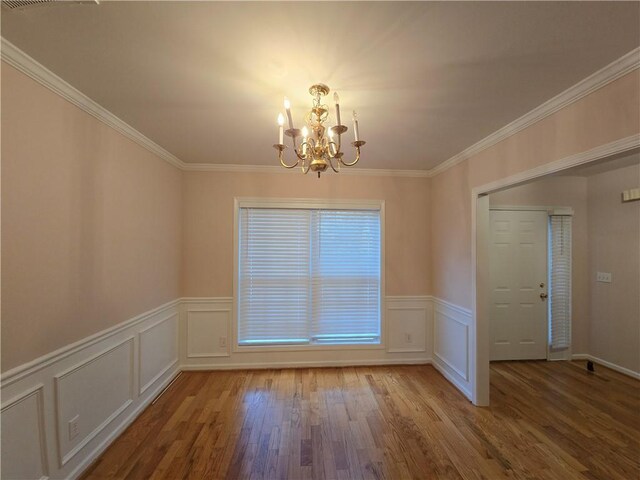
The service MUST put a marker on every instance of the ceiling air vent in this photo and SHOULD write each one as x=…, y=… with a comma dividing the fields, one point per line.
x=24, y=4
x=11, y=4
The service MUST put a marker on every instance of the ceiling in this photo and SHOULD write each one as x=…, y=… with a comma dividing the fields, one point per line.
x=206, y=80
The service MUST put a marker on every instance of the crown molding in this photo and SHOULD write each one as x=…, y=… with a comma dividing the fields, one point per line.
x=38, y=72
x=593, y=82
x=616, y=147
x=32, y=68
x=228, y=168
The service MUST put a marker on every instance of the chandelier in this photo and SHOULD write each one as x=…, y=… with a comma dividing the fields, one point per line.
x=317, y=151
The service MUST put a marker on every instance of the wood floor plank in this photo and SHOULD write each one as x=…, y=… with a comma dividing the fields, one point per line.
x=547, y=421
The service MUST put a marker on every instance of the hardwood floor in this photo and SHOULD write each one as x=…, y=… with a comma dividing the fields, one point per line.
x=548, y=420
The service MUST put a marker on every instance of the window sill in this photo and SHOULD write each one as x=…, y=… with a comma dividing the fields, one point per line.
x=306, y=347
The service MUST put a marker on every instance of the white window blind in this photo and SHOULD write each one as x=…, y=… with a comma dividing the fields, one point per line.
x=308, y=276
x=560, y=282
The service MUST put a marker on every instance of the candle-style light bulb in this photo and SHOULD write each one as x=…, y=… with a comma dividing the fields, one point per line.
x=332, y=145
x=336, y=99
x=280, y=129
x=305, y=134
x=287, y=107
x=355, y=126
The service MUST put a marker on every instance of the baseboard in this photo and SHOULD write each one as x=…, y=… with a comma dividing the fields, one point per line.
x=452, y=344
x=604, y=363
x=149, y=352
x=453, y=379
x=93, y=455
x=306, y=364
x=96, y=383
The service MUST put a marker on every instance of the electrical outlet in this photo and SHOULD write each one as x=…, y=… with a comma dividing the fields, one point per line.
x=222, y=341
x=73, y=427
x=603, y=277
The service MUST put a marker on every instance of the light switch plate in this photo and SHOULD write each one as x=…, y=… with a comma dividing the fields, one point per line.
x=631, y=195
x=603, y=277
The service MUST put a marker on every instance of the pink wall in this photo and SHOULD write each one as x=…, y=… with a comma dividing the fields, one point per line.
x=90, y=224
x=208, y=223
x=608, y=114
x=614, y=247
x=563, y=191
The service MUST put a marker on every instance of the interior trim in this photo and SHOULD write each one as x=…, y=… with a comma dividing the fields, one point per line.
x=605, y=363
x=32, y=68
x=593, y=82
x=22, y=371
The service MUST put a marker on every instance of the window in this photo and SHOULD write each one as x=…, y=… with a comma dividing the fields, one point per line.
x=560, y=281
x=308, y=276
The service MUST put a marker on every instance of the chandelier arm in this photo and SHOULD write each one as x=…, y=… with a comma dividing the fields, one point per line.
x=301, y=157
x=337, y=170
x=347, y=164
x=304, y=156
x=281, y=158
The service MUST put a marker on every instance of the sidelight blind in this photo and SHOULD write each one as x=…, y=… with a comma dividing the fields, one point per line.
x=560, y=281
x=308, y=276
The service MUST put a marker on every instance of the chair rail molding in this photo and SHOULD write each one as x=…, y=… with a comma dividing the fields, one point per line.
x=135, y=361
x=100, y=383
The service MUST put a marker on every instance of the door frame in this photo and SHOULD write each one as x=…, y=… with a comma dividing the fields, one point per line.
x=479, y=328
x=549, y=210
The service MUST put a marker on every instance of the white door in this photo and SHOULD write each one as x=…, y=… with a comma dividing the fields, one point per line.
x=518, y=278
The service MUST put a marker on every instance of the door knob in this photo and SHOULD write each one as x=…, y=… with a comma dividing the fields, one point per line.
x=543, y=295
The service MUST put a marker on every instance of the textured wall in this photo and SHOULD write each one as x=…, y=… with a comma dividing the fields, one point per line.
x=208, y=223
x=90, y=224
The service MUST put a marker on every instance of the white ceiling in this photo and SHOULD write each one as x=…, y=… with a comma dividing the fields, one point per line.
x=205, y=80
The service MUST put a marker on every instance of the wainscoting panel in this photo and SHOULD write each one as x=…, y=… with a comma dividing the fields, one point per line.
x=24, y=450
x=107, y=379
x=205, y=321
x=451, y=344
x=158, y=350
x=94, y=384
x=92, y=394
x=208, y=332
x=409, y=324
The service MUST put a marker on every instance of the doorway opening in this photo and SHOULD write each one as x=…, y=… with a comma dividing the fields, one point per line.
x=625, y=151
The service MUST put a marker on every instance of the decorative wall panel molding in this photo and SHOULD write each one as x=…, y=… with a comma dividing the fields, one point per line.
x=95, y=392
x=204, y=321
x=93, y=384
x=206, y=329
x=24, y=418
x=409, y=324
x=30, y=368
x=451, y=349
x=158, y=351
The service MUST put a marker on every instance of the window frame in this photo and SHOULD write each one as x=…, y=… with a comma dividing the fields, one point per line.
x=306, y=203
